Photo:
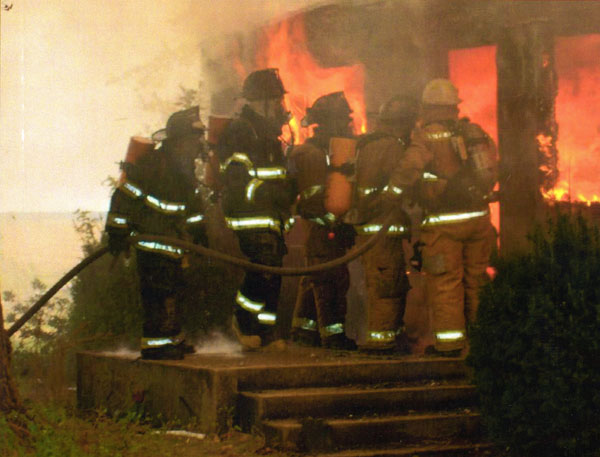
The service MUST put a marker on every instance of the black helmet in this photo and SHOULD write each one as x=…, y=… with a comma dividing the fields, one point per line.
x=398, y=108
x=327, y=107
x=262, y=85
x=180, y=124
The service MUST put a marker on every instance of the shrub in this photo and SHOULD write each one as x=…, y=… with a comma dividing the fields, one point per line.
x=535, y=348
x=105, y=295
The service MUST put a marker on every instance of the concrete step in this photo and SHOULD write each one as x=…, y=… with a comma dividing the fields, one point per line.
x=343, y=401
x=328, y=434
x=431, y=450
x=205, y=388
x=348, y=371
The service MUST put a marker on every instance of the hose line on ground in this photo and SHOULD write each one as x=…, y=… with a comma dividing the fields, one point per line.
x=201, y=250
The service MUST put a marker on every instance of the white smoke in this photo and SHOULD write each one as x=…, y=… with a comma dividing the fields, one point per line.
x=214, y=343
x=80, y=78
x=218, y=344
x=123, y=351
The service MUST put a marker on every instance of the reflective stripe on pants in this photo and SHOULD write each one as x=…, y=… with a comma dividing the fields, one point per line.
x=387, y=286
x=455, y=257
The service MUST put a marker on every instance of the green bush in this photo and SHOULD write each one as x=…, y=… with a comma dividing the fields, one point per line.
x=535, y=349
x=106, y=302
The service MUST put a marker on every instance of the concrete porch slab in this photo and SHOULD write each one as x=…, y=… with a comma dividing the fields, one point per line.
x=204, y=388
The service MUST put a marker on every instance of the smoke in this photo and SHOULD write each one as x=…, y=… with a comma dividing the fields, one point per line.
x=213, y=20
x=218, y=344
x=124, y=351
x=213, y=344
x=80, y=78
x=232, y=39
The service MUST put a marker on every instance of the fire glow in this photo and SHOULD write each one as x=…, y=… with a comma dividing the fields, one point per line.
x=284, y=46
x=473, y=71
x=577, y=109
x=578, y=117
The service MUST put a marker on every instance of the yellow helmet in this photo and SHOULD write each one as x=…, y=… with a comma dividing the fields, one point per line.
x=440, y=92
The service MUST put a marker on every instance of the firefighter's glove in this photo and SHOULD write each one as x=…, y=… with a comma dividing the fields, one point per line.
x=344, y=234
x=416, y=261
x=117, y=243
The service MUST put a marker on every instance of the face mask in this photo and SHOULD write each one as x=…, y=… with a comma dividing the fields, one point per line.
x=281, y=115
x=185, y=153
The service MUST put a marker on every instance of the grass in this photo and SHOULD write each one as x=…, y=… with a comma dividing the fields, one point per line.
x=54, y=427
x=58, y=430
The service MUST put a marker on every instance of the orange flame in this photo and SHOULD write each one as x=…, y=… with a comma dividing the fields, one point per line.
x=561, y=193
x=238, y=66
x=577, y=110
x=473, y=71
x=284, y=46
x=578, y=117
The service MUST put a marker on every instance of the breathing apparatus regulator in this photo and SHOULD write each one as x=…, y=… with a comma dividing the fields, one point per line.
x=474, y=147
x=478, y=153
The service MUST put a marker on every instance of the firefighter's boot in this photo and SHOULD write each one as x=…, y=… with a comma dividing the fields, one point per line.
x=248, y=342
x=339, y=341
x=166, y=352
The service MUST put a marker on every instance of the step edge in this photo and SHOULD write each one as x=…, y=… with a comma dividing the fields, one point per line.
x=368, y=452
x=293, y=423
x=332, y=390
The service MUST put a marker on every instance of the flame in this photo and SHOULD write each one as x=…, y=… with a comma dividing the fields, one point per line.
x=560, y=192
x=473, y=72
x=237, y=64
x=578, y=117
x=294, y=127
x=284, y=46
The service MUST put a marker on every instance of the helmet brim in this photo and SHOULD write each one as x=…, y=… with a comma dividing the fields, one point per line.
x=159, y=135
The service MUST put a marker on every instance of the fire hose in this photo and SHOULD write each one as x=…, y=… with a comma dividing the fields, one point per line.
x=201, y=250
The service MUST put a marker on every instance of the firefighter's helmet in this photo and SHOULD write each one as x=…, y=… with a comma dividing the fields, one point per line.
x=180, y=124
x=440, y=92
x=263, y=85
x=328, y=107
x=398, y=108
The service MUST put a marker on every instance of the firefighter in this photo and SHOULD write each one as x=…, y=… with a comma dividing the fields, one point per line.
x=320, y=311
x=384, y=265
x=157, y=196
x=256, y=201
x=453, y=164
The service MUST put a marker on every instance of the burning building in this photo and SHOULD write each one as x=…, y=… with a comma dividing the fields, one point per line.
x=527, y=71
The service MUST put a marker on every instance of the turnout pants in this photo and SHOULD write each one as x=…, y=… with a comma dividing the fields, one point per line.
x=321, y=300
x=161, y=285
x=387, y=286
x=455, y=258
x=258, y=296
